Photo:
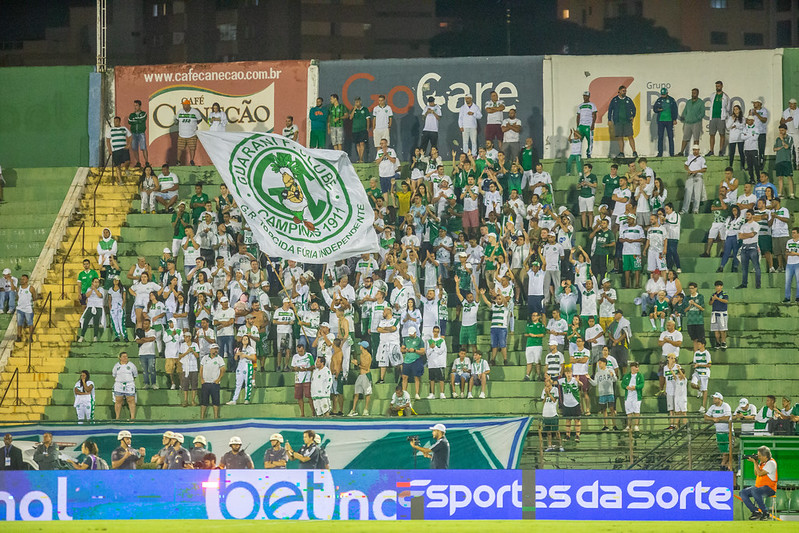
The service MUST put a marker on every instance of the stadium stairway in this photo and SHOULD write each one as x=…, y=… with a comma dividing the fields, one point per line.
x=50, y=346
x=761, y=343
x=33, y=197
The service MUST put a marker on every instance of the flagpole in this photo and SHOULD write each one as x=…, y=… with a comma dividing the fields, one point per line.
x=293, y=307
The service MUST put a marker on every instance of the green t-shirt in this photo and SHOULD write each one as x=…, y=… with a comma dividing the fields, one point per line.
x=622, y=117
x=455, y=222
x=715, y=110
x=610, y=184
x=197, y=211
x=602, y=238
x=490, y=264
x=587, y=192
x=110, y=272
x=464, y=277
x=526, y=159
x=515, y=182
x=137, y=121
x=665, y=114
x=783, y=155
x=85, y=279
x=360, y=118
x=412, y=343
x=377, y=192
x=661, y=306
x=462, y=178
x=719, y=215
x=180, y=230
x=694, y=316
x=336, y=115
x=535, y=329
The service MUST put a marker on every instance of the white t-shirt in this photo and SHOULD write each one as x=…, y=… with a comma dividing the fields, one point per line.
x=469, y=313
x=223, y=315
x=720, y=411
x=302, y=361
x=667, y=347
x=792, y=246
x=511, y=136
x=496, y=116
x=430, y=120
x=381, y=115
x=592, y=332
x=586, y=112
x=386, y=168
x=187, y=122
x=211, y=368
x=391, y=337
x=632, y=232
x=750, y=227
x=778, y=227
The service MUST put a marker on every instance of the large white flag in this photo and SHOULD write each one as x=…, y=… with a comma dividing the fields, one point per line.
x=300, y=203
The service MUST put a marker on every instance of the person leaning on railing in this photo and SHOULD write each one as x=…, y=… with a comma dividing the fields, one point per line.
x=765, y=484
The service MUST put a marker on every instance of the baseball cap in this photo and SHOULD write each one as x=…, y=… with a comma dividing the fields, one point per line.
x=264, y=283
x=562, y=209
x=439, y=427
x=411, y=330
x=663, y=90
x=277, y=436
x=185, y=101
x=553, y=343
x=223, y=299
x=324, y=325
x=743, y=402
x=750, y=117
x=695, y=147
x=605, y=280
x=286, y=300
x=792, y=101
x=365, y=344
x=178, y=437
x=718, y=395
x=462, y=254
x=124, y=434
x=536, y=264
x=759, y=100
x=187, y=333
x=586, y=93
x=214, y=345
x=201, y=439
x=657, y=271
x=167, y=251
x=234, y=440
x=6, y=271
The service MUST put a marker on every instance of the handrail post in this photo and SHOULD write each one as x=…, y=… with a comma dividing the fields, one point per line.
x=81, y=228
x=690, y=446
x=632, y=437
x=18, y=401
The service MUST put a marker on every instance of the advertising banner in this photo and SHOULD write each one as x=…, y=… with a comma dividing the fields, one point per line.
x=566, y=77
x=366, y=495
x=301, y=204
x=482, y=443
x=633, y=495
x=255, y=96
x=408, y=83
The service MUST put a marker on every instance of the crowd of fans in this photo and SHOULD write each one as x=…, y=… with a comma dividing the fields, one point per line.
x=490, y=232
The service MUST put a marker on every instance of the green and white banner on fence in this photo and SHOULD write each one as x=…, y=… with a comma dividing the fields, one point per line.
x=302, y=204
x=475, y=443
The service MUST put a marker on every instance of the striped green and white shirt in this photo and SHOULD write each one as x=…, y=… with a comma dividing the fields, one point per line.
x=554, y=361
x=702, y=358
x=499, y=316
x=118, y=137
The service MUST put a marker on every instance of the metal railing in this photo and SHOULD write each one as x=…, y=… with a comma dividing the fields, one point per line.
x=14, y=376
x=48, y=300
x=692, y=446
x=97, y=186
x=81, y=232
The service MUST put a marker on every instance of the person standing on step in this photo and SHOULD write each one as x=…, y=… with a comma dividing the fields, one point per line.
x=363, y=384
x=695, y=193
x=302, y=365
x=570, y=406
x=695, y=314
x=187, y=118
x=761, y=116
x=792, y=265
x=586, y=119
x=189, y=352
x=719, y=111
x=534, y=346
x=117, y=140
x=148, y=187
x=665, y=109
x=605, y=381
x=26, y=295
x=621, y=113
x=84, y=397
x=212, y=368
x=672, y=224
x=436, y=352
x=692, y=115
x=720, y=414
x=750, y=139
x=748, y=234
x=702, y=363
x=633, y=385
x=8, y=291
x=360, y=115
x=106, y=250
x=719, y=301
x=124, y=391
x=95, y=310
x=138, y=124
x=245, y=368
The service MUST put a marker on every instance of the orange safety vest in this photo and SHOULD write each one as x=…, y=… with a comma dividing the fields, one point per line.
x=765, y=480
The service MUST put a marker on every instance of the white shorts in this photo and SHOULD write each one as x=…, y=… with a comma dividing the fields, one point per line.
x=586, y=204
x=700, y=380
x=388, y=355
x=381, y=133
x=533, y=354
x=632, y=406
x=717, y=231
x=678, y=405
x=718, y=321
x=321, y=406
x=655, y=261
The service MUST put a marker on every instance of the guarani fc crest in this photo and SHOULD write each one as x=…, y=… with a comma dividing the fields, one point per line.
x=288, y=193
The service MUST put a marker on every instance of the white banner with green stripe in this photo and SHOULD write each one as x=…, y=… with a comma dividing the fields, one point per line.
x=475, y=443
